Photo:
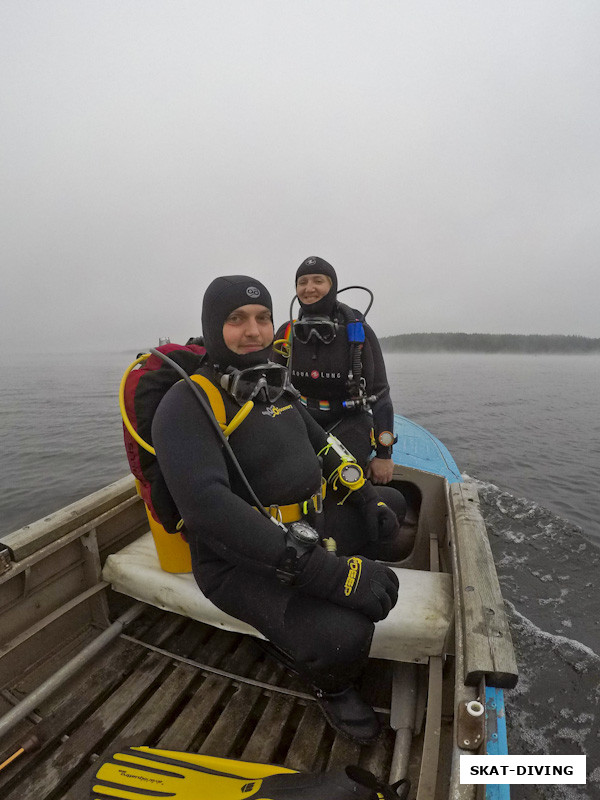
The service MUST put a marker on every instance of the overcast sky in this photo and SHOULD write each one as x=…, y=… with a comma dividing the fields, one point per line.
x=447, y=155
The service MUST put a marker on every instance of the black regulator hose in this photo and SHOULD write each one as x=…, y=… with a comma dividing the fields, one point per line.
x=356, y=368
x=339, y=291
x=365, y=289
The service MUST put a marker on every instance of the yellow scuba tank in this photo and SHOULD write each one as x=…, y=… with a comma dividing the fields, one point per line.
x=172, y=549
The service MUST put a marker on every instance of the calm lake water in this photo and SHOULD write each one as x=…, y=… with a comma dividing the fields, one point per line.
x=529, y=424
x=525, y=428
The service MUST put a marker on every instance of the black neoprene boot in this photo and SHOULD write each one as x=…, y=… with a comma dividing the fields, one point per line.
x=352, y=783
x=348, y=713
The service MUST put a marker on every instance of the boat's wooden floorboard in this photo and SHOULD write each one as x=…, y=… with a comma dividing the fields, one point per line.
x=130, y=695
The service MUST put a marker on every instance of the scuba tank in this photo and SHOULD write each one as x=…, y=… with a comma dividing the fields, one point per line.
x=142, y=388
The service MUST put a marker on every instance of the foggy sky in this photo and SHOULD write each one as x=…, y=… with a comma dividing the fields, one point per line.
x=444, y=154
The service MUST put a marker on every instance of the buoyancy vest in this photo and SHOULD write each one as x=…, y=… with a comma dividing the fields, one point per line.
x=143, y=392
x=332, y=373
x=144, y=389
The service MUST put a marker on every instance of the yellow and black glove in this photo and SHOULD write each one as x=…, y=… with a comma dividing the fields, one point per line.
x=355, y=582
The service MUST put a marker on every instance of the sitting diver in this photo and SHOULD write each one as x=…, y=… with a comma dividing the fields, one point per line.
x=335, y=362
x=266, y=566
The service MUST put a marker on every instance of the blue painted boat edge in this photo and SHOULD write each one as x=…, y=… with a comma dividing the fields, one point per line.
x=497, y=744
x=443, y=464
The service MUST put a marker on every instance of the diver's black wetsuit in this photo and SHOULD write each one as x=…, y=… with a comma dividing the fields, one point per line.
x=316, y=606
x=235, y=549
x=320, y=373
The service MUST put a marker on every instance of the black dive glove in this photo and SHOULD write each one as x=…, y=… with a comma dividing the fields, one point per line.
x=354, y=582
x=381, y=523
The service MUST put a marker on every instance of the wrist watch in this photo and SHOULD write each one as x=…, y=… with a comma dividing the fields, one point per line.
x=301, y=536
x=386, y=438
x=300, y=539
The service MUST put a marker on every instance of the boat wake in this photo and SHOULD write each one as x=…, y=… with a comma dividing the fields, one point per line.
x=547, y=571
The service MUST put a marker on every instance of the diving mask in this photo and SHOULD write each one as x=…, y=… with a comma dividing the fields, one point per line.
x=269, y=380
x=321, y=328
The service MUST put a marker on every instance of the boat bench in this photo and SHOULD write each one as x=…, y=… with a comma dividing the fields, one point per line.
x=419, y=626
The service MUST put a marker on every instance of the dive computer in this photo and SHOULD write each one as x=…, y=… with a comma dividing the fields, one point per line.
x=301, y=536
x=300, y=539
x=386, y=438
x=350, y=474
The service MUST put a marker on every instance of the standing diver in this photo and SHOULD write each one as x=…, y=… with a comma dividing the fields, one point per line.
x=335, y=362
x=267, y=566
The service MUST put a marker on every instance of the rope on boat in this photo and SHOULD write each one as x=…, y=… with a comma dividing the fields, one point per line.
x=231, y=675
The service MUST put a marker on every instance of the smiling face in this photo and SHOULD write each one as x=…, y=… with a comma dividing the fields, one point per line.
x=248, y=329
x=311, y=288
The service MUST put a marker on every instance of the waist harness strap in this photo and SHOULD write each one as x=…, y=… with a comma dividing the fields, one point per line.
x=295, y=511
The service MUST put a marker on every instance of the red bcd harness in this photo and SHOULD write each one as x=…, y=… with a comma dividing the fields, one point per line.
x=144, y=389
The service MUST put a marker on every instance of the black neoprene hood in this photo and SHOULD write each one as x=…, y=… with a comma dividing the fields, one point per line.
x=223, y=296
x=318, y=266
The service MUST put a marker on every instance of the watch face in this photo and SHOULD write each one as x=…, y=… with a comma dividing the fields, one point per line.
x=351, y=473
x=386, y=438
x=304, y=532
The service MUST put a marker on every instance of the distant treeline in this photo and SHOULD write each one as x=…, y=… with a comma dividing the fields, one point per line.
x=489, y=343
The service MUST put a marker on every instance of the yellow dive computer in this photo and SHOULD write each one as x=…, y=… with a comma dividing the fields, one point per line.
x=351, y=474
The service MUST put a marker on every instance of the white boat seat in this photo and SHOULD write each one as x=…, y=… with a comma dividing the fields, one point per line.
x=418, y=626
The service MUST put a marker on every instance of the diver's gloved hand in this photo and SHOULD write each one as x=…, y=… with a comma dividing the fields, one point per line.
x=380, y=521
x=361, y=497
x=354, y=582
